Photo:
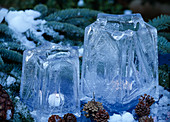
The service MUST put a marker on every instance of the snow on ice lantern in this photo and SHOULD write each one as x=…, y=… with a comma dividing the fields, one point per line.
x=50, y=79
x=120, y=60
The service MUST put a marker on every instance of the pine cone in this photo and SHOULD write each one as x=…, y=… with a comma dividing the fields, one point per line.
x=146, y=119
x=69, y=117
x=148, y=99
x=101, y=116
x=55, y=118
x=142, y=109
x=6, y=105
x=92, y=108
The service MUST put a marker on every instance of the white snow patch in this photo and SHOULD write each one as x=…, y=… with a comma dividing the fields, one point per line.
x=3, y=13
x=126, y=117
x=10, y=80
x=21, y=21
x=115, y=118
x=9, y=115
x=164, y=100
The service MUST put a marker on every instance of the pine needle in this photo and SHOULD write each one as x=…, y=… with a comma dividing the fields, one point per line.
x=66, y=14
x=161, y=22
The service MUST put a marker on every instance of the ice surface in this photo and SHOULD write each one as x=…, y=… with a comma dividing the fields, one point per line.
x=120, y=61
x=50, y=79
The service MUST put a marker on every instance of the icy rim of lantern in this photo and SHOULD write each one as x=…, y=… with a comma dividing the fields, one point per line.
x=114, y=29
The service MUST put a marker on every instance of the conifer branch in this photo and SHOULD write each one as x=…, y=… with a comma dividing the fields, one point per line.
x=66, y=14
x=11, y=55
x=12, y=46
x=68, y=29
x=163, y=45
x=165, y=34
x=6, y=30
x=80, y=22
x=42, y=9
x=1, y=61
x=9, y=67
x=161, y=22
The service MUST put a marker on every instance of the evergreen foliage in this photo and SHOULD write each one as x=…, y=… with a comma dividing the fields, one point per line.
x=161, y=22
x=12, y=46
x=165, y=34
x=68, y=29
x=11, y=55
x=42, y=9
x=5, y=33
x=66, y=14
x=164, y=71
x=1, y=61
x=163, y=45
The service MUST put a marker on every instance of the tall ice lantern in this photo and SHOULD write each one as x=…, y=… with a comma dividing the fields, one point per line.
x=120, y=60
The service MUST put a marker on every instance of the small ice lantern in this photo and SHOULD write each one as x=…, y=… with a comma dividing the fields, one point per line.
x=120, y=60
x=50, y=79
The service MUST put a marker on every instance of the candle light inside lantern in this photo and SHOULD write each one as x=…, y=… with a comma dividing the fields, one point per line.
x=55, y=99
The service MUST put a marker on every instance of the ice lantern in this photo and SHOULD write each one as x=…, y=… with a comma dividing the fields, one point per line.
x=120, y=60
x=50, y=79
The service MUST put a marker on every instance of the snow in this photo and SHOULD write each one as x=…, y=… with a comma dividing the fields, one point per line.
x=164, y=100
x=9, y=115
x=21, y=21
x=115, y=118
x=3, y=13
x=126, y=117
x=10, y=80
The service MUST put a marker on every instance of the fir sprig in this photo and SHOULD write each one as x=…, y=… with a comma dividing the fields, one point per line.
x=66, y=14
x=1, y=61
x=6, y=30
x=161, y=22
x=163, y=45
x=12, y=46
x=11, y=55
x=68, y=29
x=165, y=34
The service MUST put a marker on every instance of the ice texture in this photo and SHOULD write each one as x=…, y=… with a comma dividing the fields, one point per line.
x=120, y=60
x=50, y=79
